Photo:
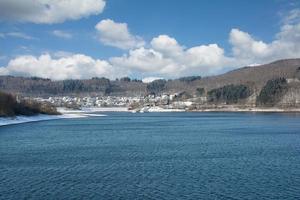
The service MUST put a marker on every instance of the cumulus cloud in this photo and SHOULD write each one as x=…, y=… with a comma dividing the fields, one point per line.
x=247, y=50
x=166, y=57
x=48, y=11
x=208, y=56
x=167, y=45
x=75, y=66
x=62, y=34
x=245, y=47
x=117, y=35
x=144, y=60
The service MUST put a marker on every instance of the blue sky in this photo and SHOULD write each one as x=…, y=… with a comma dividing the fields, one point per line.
x=192, y=24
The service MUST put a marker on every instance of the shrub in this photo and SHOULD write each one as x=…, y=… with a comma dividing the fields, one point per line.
x=29, y=107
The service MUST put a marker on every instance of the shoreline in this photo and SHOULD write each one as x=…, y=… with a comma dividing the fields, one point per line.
x=157, y=109
x=65, y=114
x=251, y=110
x=220, y=109
x=5, y=121
x=92, y=112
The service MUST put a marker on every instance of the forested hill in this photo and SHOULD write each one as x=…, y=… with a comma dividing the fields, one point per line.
x=254, y=77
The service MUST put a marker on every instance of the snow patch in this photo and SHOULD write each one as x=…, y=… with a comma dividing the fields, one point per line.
x=25, y=119
x=66, y=114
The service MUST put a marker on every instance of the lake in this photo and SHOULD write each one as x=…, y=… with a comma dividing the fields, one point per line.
x=153, y=156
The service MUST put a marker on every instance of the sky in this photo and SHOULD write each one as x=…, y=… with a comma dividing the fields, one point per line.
x=144, y=39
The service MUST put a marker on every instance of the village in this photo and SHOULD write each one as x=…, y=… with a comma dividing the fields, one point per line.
x=164, y=102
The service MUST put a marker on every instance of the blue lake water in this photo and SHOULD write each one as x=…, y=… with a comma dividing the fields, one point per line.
x=153, y=156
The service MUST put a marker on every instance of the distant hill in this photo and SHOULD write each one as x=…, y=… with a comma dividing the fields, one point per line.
x=257, y=75
x=254, y=77
x=35, y=86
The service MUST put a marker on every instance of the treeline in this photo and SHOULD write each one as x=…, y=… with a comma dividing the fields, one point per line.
x=94, y=84
x=40, y=86
x=189, y=79
x=272, y=92
x=229, y=94
x=10, y=106
x=100, y=85
x=159, y=86
x=127, y=79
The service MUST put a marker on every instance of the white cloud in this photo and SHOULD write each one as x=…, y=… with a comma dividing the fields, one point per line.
x=292, y=17
x=62, y=34
x=76, y=66
x=208, y=56
x=150, y=79
x=117, y=35
x=49, y=11
x=17, y=35
x=247, y=50
x=245, y=47
x=143, y=60
x=166, y=45
x=166, y=57
x=163, y=57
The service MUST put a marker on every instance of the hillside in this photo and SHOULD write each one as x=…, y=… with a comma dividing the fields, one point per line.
x=254, y=77
x=257, y=75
